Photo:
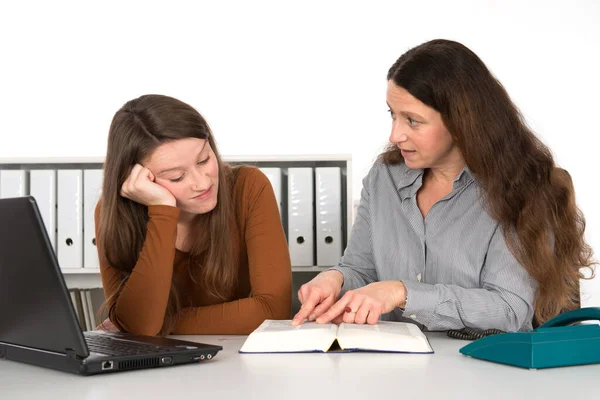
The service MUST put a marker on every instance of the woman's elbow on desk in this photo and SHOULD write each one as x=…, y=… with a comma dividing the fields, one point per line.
x=512, y=318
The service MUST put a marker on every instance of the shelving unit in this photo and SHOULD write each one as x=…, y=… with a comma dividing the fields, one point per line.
x=90, y=277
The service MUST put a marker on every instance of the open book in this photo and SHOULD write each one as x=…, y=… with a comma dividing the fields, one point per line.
x=280, y=337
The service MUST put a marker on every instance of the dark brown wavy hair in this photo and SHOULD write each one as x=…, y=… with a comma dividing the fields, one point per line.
x=137, y=129
x=532, y=199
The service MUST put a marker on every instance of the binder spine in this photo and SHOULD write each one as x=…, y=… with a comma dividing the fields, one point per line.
x=69, y=219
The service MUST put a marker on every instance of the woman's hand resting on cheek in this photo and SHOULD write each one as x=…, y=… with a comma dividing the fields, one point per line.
x=366, y=304
x=140, y=186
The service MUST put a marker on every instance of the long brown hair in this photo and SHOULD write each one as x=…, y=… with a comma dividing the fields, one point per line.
x=532, y=199
x=137, y=129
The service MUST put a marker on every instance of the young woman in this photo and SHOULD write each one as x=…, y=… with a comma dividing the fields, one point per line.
x=187, y=244
x=465, y=221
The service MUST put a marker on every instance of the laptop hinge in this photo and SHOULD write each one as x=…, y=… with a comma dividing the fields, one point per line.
x=71, y=354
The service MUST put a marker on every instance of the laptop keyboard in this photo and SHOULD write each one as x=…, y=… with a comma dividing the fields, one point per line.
x=112, y=346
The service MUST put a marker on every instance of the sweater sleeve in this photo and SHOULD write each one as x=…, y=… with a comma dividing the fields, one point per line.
x=269, y=269
x=140, y=307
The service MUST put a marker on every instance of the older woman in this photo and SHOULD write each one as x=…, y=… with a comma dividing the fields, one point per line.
x=464, y=221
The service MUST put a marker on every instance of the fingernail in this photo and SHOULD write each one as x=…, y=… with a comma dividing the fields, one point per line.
x=348, y=309
x=311, y=317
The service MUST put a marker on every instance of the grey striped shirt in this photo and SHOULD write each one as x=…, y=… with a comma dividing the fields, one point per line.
x=455, y=264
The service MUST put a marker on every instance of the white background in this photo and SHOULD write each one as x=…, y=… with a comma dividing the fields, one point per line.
x=290, y=77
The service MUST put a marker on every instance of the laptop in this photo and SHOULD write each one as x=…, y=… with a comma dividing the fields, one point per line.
x=38, y=324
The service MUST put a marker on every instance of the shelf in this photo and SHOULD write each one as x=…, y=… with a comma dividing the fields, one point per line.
x=69, y=271
x=84, y=278
x=226, y=158
x=92, y=271
x=89, y=278
x=310, y=269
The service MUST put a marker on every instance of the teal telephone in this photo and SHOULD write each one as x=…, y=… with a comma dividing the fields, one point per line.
x=556, y=343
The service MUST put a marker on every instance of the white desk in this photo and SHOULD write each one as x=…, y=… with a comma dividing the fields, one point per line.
x=447, y=374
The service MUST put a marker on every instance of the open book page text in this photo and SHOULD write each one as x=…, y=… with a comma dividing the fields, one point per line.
x=384, y=336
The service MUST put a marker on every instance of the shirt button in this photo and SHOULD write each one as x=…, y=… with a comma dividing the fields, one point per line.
x=419, y=277
x=413, y=316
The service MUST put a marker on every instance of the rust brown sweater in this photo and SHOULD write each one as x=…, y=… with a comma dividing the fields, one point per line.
x=264, y=282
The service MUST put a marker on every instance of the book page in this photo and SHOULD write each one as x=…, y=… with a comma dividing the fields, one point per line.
x=385, y=336
x=382, y=327
x=285, y=326
x=274, y=336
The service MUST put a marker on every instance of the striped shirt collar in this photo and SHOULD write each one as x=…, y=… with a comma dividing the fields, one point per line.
x=409, y=181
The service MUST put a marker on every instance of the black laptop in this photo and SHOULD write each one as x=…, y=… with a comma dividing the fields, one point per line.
x=38, y=324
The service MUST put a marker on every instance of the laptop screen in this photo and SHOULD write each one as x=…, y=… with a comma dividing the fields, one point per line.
x=35, y=307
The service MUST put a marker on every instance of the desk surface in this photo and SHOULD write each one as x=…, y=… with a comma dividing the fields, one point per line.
x=444, y=375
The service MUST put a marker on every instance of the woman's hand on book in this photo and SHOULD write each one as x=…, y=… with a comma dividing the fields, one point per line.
x=140, y=186
x=318, y=295
x=366, y=304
